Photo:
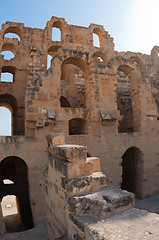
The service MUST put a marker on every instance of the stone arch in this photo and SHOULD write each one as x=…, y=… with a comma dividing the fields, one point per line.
x=132, y=171
x=132, y=71
x=99, y=33
x=10, y=102
x=9, y=47
x=55, y=22
x=73, y=81
x=13, y=29
x=78, y=59
x=51, y=53
x=9, y=69
x=16, y=170
x=138, y=61
x=58, y=25
x=100, y=57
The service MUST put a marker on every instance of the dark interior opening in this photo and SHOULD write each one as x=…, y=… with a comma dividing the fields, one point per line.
x=77, y=126
x=132, y=171
x=15, y=169
x=64, y=102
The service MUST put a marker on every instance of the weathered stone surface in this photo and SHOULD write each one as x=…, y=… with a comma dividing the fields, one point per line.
x=101, y=203
x=97, y=97
x=108, y=115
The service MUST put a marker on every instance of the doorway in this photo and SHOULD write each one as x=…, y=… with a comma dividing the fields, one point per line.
x=14, y=185
x=132, y=171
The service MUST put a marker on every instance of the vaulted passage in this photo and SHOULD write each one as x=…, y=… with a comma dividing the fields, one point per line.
x=14, y=170
x=132, y=171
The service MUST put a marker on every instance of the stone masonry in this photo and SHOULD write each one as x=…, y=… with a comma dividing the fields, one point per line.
x=97, y=97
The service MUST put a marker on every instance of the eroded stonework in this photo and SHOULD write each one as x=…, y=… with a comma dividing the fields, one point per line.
x=97, y=97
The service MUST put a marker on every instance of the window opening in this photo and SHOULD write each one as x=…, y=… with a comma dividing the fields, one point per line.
x=56, y=34
x=12, y=35
x=96, y=41
x=76, y=126
x=7, y=181
x=49, y=57
x=8, y=55
x=100, y=59
x=5, y=122
x=6, y=77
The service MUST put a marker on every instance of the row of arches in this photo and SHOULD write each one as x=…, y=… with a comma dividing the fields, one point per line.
x=57, y=28
x=97, y=34
x=74, y=89
x=9, y=49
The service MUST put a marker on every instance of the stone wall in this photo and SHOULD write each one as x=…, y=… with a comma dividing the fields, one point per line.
x=75, y=187
x=97, y=97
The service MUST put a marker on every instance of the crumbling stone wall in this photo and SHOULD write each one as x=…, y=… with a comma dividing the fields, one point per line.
x=76, y=187
x=98, y=97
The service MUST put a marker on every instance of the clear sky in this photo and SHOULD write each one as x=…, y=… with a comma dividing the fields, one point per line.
x=132, y=23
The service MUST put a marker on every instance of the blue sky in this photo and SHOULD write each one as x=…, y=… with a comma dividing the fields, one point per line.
x=132, y=23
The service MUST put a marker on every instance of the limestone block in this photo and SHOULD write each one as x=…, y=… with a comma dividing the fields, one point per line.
x=96, y=163
x=55, y=139
x=31, y=117
x=101, y=204
x=84, y=184
x=79, y=169
x=71, y=153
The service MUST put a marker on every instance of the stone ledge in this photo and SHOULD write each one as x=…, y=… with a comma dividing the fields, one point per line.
x=101, y=204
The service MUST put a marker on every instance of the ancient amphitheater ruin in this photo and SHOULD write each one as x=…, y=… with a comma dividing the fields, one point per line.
x=85, y=132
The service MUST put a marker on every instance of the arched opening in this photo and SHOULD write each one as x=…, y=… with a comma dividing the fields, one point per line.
x=9, y=102
x=11, y=215
x=13, y=32
x=15, y=169
x=56, y=34
x=9, y=50
x=124, y=101
x=56, y=31
x=100, y=57
x=132, y=171
x=51, y=53
x=77, y=126
x=5, y=121
x=138, y=61
x=8, y=55
x=96, y=41
x=97, y=37
x=64, y=102
x=49, y=61
x=7, y=74
x=12, y=35
x=73, y=84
